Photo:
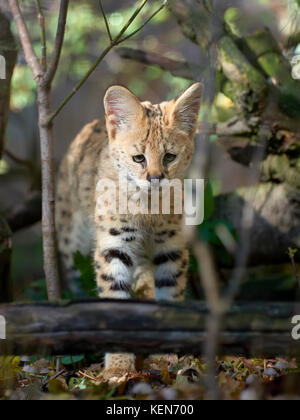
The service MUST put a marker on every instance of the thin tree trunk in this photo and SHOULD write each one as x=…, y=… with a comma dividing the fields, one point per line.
x=43, y=81
x=48, y=193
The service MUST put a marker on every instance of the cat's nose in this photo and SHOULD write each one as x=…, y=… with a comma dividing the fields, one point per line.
x=155, y=177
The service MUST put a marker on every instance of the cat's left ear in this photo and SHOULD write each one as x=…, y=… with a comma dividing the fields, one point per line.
x=186, y=109
x=123, y=110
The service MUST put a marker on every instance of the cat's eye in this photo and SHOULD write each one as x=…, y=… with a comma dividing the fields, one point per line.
x=139, y=158
x=169, y=157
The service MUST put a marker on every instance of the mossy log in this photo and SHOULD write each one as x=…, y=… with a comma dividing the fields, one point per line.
x=259, y=329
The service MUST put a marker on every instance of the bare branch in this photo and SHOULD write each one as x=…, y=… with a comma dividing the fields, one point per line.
x=27, y=163
x=115, y=42
x=61, y=27
x=26, y=42
x=130, y=21
x=26, y=214
x=80, y=84
x=190, y=71
x=106, y=21
x=292, y=253
x=144, y=24
x=209, y=275
x=41, y=20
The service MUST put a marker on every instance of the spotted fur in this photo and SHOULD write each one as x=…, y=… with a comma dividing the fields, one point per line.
x=141, y=254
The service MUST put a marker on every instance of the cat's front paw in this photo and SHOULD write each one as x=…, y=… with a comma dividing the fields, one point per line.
x=114, y=375
x=118, y=365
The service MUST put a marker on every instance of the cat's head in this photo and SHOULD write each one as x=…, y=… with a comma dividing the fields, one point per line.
x=151, y=141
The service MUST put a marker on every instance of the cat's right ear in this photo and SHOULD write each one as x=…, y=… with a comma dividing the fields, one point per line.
x=123, y=110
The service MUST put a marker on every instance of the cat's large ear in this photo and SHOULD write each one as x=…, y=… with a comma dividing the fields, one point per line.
x=123, y=110
x=186, y=109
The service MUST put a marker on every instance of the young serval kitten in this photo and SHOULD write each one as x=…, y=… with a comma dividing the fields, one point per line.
x=141, y=143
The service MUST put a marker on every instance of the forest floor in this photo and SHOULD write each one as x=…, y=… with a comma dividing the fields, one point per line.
x=69, y=378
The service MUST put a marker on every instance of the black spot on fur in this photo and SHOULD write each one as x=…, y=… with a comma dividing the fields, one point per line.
x=166, y=257
x=164, y=232
x=112, y=254
x=119, y=287
x=107, y=277
x=168, y=281
x=128, y=229
x=129, y=239
x=114, y=232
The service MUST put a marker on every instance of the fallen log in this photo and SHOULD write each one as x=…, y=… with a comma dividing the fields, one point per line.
x=249, y=329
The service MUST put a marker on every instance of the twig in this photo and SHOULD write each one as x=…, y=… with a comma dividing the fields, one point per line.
x=85, y=375
x=130, y=21
x=25, y=214
x=116, y=41
x=60, y=33
x=106, y=21
x=292, y=253
x=27, y=163
x=209, y=275
x=145, y=23
x=183, y=69
x=79, y=85
x=41, y=20
x=45, y=384
x=27, y=46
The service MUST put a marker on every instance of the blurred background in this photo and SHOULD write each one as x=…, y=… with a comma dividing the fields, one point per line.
x=270, y=274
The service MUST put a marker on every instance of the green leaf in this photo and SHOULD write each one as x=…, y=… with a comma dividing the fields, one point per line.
x=71, y=360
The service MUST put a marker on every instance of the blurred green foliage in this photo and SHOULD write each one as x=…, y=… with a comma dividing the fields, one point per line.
x=87, y=282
